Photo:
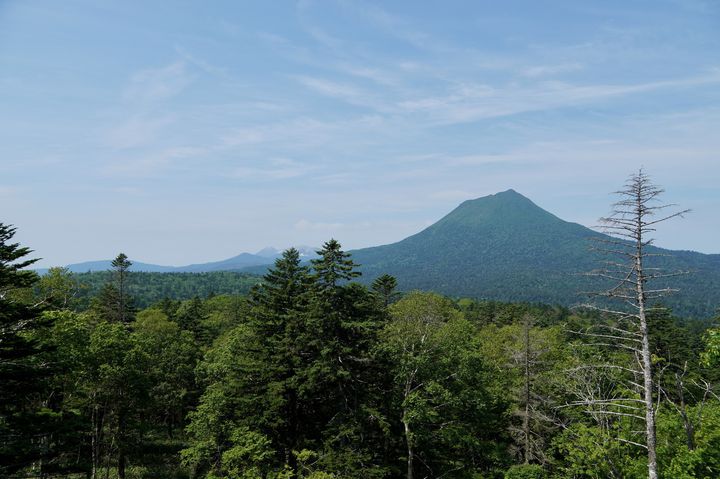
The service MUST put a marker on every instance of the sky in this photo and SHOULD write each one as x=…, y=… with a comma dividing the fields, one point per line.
x=184, y=132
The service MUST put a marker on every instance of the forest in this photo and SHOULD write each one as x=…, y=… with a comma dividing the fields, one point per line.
x=310, y=374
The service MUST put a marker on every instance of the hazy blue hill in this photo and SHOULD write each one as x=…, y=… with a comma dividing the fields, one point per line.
x=240, y=261
x=104, y=265
x=505, y=247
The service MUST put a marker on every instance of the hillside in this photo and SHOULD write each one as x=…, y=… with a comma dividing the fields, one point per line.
x=505, y=247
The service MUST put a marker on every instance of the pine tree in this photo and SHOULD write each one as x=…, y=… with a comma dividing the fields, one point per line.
x=384, y=286
x=121, y=264
x=287, y=346
x=114, y=303
x=333, y=266
x=20, y=371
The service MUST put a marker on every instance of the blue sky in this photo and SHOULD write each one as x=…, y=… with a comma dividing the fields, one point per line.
x=183, y=132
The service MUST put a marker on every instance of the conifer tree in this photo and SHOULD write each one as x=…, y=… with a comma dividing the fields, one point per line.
x=114, y=303
x=334, y=265
x=384, y=286
x=121, y=264
x=20, y=371
x=287, y=347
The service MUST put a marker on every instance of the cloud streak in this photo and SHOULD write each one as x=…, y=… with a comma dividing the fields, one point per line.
x=156, y=84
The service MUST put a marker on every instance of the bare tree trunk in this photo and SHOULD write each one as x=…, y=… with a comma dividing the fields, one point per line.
x=631, y=221
x=687, y=423
x=651, y=441
x=526, y=418
x=410, y=450
x=96, y=440
x=122, y=457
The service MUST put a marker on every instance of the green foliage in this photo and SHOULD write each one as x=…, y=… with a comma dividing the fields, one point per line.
x=385, y=286
x=529, y=362
x=450, y=420
x=313, y=375
x=149, y=288
x=703, y=460
x=525, y=471
x=58, y=289
x=21, y=372
x=711, y=355
x=333, y=266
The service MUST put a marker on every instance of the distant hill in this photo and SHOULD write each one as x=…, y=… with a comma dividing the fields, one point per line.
x=266, y=256
x=507, y=248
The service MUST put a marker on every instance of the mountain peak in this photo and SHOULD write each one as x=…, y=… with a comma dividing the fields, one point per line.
x=504, y=208
x=268, y=252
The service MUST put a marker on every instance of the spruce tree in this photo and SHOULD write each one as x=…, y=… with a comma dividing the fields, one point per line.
x=20, y=369
x=121, y=264
x=114, y=303
x=333, y=266
x=286, y=346
x=384, y=286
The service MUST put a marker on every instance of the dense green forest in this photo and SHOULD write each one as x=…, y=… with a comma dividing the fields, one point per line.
x=311, y=374
x=149, y=288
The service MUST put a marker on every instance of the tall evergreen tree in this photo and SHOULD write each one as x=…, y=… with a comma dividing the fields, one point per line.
x=279, y=320
x=265, y=389
x=121, y=264
x=20, y=370
x=384, y=286
x=191, y=316
x=114, y=303
x=333, y=266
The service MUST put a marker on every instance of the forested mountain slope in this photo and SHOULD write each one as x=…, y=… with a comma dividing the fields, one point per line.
x=505, y=247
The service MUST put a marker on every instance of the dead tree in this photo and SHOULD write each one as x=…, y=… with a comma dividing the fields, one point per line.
x=635, y=286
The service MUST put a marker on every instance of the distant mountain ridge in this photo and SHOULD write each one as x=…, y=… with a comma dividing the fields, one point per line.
x=501, y=247
x=266, y=256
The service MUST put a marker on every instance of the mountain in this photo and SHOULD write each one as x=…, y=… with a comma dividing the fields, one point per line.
x=505, y=247
x=264, y=257
x=243, y=260
x=104, y=265
x=501, y=247
x=272, y=253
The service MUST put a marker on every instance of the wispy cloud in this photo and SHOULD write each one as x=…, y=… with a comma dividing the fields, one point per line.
x=148, y=164
x=346, y=92
x=536, y=71
x=155, y=84
x=137, y=131
x=483, y=101
x=274, y=169
x=8, y=191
